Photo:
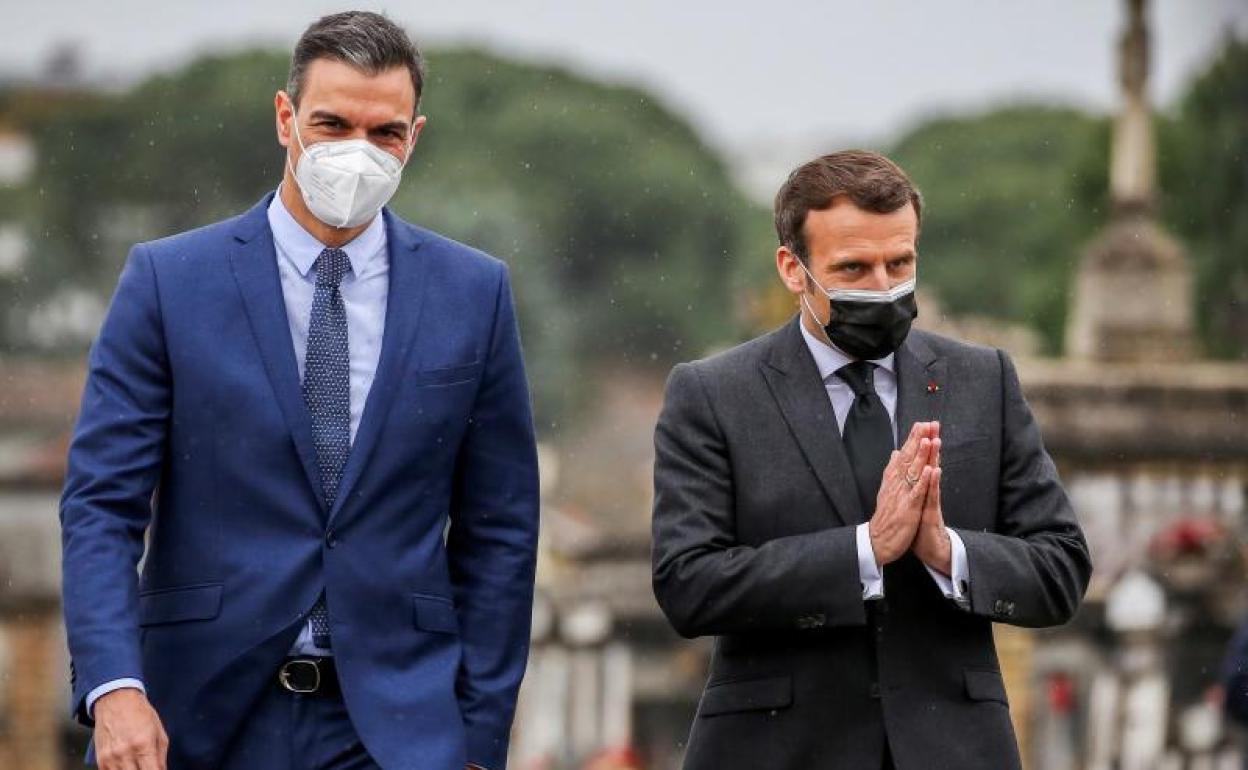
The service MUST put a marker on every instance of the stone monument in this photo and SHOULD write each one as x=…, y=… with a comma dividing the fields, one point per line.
x=1133, y=291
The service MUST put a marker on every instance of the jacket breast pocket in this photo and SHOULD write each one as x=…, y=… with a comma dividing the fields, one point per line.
x=434, y=613
x=180, y=604
x=736, y=695
x=448, y=375
x=965, y=450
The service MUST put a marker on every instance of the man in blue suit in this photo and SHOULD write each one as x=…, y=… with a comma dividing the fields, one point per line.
x=318, y=416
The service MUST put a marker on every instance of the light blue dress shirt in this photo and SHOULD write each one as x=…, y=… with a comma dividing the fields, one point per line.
x=364, y=290
x=829, y=359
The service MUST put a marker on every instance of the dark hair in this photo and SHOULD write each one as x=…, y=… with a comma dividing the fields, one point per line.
x=870, y=180
x=367, y=41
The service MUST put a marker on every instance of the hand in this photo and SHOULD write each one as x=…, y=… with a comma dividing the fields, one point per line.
x=931, y=542
x=903, y=490
x=128, y=733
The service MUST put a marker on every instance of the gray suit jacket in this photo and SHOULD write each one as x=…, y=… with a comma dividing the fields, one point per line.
x=754, y=515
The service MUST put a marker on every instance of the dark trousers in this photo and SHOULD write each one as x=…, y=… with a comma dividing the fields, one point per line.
x=286, y=731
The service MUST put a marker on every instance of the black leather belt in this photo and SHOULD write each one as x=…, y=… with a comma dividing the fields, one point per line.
x=309, y=676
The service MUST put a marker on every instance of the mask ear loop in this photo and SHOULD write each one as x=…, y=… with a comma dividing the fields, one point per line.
x=294, y=122
x=807, y=302
x=823, y=328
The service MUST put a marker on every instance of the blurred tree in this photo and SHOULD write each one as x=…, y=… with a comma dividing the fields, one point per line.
x=1204, y=184
x=1010, y=198
x=1013, y=195
x=617, y=219
x=621, y=224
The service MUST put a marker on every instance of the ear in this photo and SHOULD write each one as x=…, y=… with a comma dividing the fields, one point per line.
x=418, y=125
x=790, y=270
x=284, y=114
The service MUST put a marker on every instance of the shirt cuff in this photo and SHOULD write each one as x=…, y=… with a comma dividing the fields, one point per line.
x=107, y=687
x=868, y=571
x=955, y=586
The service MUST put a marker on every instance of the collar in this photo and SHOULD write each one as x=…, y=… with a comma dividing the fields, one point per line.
x=829, y=358
x=302, y=248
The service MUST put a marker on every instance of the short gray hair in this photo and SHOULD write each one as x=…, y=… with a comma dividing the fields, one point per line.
x=367, y=41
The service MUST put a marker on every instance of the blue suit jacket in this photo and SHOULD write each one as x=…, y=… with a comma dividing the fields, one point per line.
x=193, y=430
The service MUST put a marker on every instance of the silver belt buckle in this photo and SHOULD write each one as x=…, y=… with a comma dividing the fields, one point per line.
x=297, y=669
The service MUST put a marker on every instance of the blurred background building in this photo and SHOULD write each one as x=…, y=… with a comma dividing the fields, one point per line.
x=1098, y=233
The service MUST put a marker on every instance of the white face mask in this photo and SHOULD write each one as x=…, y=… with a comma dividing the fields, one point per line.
x=345, y=183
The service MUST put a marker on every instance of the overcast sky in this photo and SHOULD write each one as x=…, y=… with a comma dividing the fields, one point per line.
x=747, y=74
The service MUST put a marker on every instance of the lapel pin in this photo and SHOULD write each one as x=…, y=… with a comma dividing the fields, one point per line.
x=932, y=387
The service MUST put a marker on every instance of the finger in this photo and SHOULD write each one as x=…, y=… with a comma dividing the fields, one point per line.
x=917, y=493
x=121, y=761
x=934, y=460
x=110, y=758
x=911, y=446
x=162, y=748
x=932, y=505
x=894, y=460
x=149, y=757
x=920, y=459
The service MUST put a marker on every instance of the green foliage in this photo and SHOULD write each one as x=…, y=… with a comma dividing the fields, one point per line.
x=1204, y=180
x=617, y=219
x=1013, y=196
x=1010, y=199
x=176, y=152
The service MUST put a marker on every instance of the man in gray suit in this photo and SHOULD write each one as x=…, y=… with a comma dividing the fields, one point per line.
x=848, y=505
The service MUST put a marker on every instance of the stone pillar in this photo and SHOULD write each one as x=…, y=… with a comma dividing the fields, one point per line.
x=1015, y=651
x=32, y=707
x=33, y=666
x=1133, y=290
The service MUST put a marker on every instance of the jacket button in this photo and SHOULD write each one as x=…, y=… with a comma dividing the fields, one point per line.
x=331, y=538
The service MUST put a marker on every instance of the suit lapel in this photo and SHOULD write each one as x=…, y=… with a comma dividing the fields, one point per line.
x=253, y=261
x=802, y=397
x=405, y=298
x=920, y=376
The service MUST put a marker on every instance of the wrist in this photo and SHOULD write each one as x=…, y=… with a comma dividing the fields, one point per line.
x=936, y=551
x=876, y=548
x=118, y=698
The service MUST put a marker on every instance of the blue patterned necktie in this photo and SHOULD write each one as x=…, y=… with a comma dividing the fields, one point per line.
x=327, y=392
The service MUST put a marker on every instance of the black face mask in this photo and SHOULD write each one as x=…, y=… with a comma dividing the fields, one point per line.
x=869, y=324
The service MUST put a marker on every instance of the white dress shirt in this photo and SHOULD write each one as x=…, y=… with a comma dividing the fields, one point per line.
x=829, y=359
x=364, y=293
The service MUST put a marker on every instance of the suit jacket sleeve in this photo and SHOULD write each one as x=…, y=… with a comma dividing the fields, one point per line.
x=492, y=543
x=1235, y=676
x=114, y=462
x=1033, y=570
x=706, y=581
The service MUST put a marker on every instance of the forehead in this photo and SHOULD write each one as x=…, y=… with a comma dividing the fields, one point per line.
x=338, y=87
x=844, y=228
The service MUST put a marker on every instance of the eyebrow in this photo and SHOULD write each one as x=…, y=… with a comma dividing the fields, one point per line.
x=387, y=126
x=842, y=261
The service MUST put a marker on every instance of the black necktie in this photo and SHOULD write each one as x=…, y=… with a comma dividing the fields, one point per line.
x=868, y=432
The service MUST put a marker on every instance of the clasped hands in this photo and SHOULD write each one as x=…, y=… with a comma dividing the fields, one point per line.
x=907, y=510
